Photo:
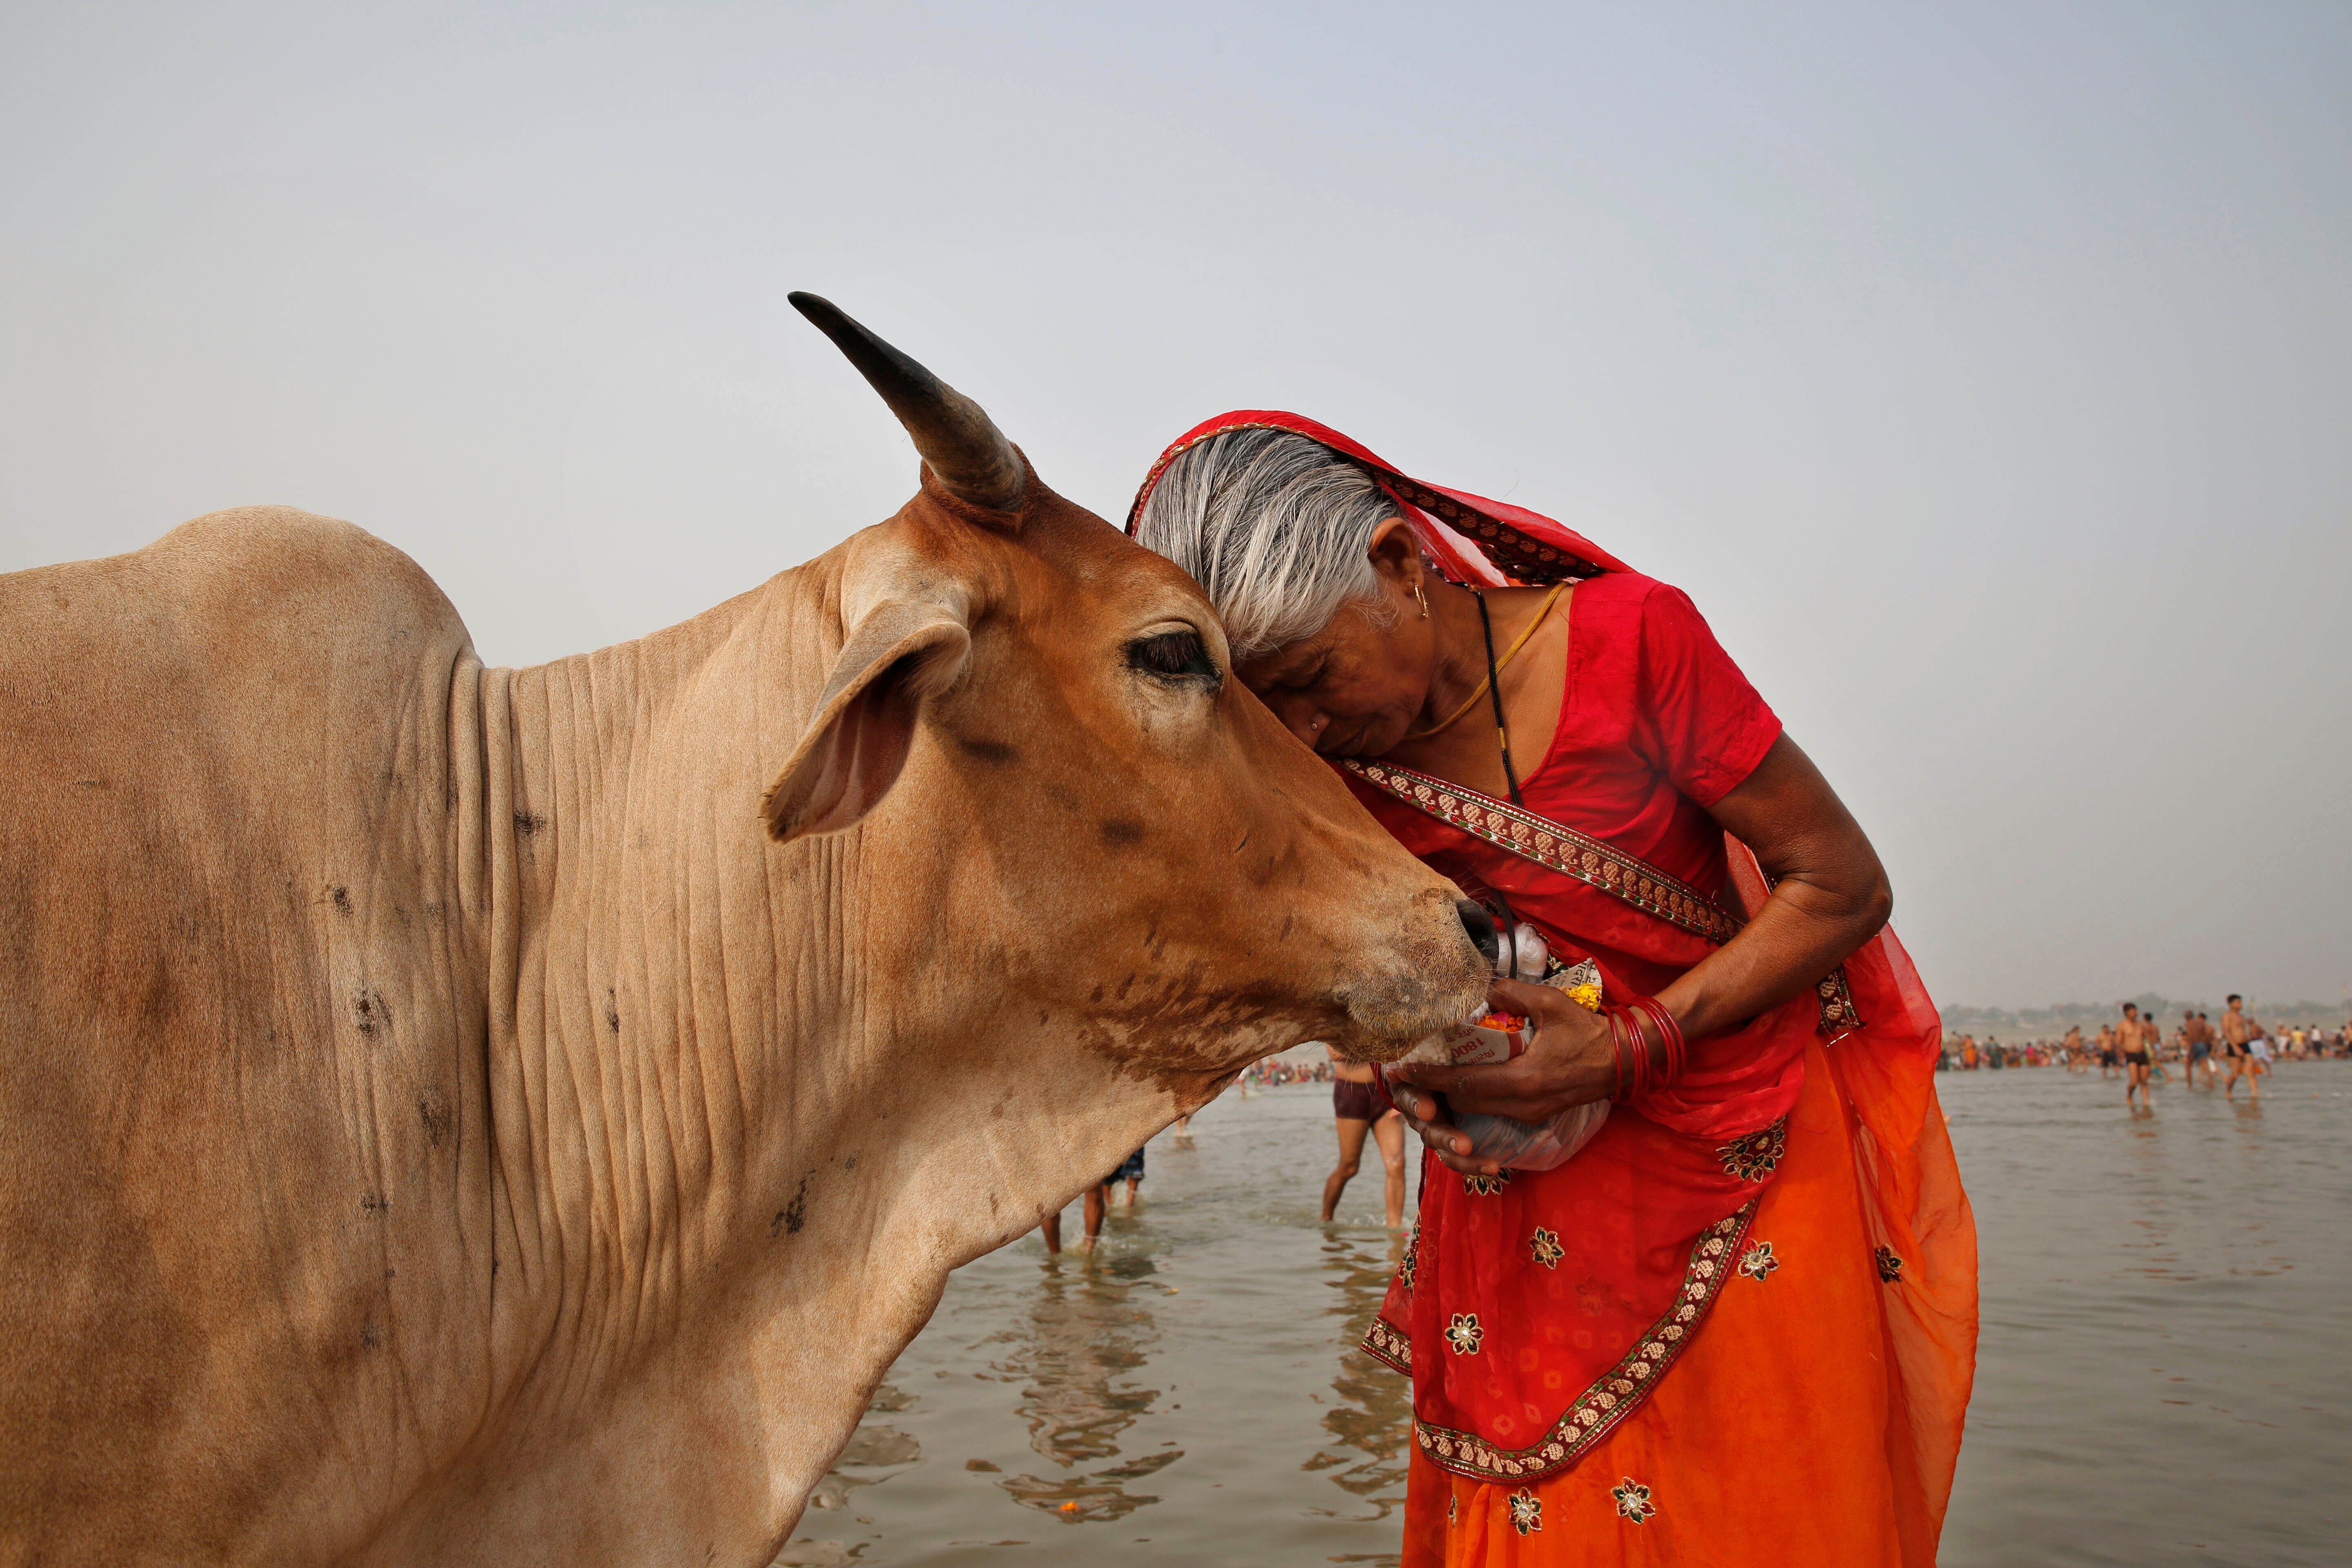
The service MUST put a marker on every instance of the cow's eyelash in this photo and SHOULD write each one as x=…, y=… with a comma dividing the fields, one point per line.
x=1173, y=656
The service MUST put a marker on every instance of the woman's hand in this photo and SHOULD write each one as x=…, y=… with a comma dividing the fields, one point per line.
x=1568, y=1062
x=1426, y=1114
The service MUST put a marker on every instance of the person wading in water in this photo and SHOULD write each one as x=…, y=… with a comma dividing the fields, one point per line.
x=2239, y=1032
x=2135, y=1043
x=1738, y=1326
x=1359, y=1108
x=2198, y=1050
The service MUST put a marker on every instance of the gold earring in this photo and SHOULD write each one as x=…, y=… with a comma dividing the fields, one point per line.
x=1417, y=594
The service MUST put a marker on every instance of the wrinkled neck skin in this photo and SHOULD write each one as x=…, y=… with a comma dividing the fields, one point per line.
x=741, y=1129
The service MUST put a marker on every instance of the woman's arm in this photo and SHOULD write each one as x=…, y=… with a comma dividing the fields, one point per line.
x=1830, y=895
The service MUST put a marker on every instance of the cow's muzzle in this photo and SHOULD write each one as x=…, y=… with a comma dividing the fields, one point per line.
x=1431, y=975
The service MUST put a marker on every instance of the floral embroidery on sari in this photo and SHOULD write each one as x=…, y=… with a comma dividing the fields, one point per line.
x=1527, y=1511
x=1615, y=1394
x=1890, y=1266
x=1758, y=1155
x=1545, y=1244
x=1758, y=1261
x=1463, y=1333
x=1485, y=1186
x=1633, y=1500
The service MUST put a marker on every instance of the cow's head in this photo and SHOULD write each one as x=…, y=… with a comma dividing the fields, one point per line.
x=1138, y=846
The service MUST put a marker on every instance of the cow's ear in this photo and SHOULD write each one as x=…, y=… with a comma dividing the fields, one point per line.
x=903, y=651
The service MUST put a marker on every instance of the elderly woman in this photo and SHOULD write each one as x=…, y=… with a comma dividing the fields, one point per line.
x=1739, y=1325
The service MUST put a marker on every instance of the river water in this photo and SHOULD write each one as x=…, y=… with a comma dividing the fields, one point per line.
x=2164, y=1375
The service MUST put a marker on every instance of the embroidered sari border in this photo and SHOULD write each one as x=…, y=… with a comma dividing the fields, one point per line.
x=1527, y=559
x=1839, y=1015
x=1597, y=864
x=1556, y=847
x=1389, y=1345
x=1617, y=1392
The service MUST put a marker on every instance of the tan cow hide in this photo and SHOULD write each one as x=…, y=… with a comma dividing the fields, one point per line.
x=444, y=1117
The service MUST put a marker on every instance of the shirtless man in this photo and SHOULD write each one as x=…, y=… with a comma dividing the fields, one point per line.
x=2109, y=1060
x=2136, y=1044
x=2198, y=1035
x=1356, y=1108
x=2239, y=1031
x=2073, y=1046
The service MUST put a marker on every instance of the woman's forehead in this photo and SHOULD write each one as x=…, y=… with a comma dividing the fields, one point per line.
x=1285, y=664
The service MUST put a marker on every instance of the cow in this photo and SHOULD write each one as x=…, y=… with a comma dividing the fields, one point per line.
x=477, y=1115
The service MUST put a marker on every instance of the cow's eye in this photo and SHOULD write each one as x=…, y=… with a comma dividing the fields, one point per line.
x=1172, y=656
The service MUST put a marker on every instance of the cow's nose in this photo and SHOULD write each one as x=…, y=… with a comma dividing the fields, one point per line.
x=1481, y=928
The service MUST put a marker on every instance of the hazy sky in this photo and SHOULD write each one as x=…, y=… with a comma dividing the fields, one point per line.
x=1984, y=373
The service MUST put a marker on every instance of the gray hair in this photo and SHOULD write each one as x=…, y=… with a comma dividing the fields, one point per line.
x=1275, y=526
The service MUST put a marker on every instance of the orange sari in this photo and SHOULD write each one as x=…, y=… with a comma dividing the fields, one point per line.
x=1816, y=1418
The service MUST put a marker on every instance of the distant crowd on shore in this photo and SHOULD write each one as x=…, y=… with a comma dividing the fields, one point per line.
x=1963, y=1053
x=2137, y=1048
x=1274, y=1070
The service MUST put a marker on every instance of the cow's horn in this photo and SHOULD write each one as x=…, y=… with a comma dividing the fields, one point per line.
x=968, y=455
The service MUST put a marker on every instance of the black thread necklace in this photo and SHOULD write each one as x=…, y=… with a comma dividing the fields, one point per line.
x=1495, y=687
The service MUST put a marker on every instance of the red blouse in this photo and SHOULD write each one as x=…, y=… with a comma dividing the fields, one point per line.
x=1656, y=724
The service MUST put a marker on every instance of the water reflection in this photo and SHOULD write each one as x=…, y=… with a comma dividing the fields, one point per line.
x=2156, y=1292
x=871, y=1449
x=1374, y=1416
x=1088, y=1336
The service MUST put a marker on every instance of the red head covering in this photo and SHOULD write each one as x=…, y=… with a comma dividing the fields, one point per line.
x=1490, y=543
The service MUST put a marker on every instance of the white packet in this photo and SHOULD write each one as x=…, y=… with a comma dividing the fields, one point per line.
x=1516, y=1145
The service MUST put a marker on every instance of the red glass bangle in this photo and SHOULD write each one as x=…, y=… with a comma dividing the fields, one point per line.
x=1675, y=1048
x=1625, y=1045
x=1616, y=1056
x=1637, y=1073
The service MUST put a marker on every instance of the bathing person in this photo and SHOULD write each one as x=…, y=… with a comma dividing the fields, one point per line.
x=2198, y=1034
x=2239, y=1031
x=1738, y=1326
x=1092, y=1209
x=1130, y=1170
x=1357, y=1108
x=2134, y=1043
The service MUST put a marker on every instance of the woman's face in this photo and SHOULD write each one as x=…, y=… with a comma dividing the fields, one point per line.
x=1359, y=686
